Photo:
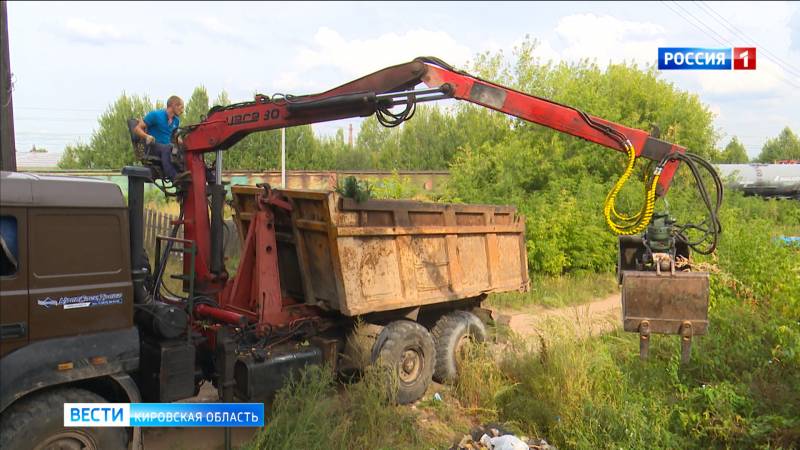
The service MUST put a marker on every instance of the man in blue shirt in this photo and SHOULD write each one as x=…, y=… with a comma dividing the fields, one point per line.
x=156, y=129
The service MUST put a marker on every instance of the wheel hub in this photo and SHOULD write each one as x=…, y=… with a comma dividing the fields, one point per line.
x=410, y=365
x=70, y=440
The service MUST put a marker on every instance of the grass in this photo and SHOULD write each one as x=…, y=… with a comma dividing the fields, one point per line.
x=309, y=413
x=556, y=292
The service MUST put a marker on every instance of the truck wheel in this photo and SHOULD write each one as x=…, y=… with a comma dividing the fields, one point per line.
x=38, y=423
x=407, y=348
x=450, y=333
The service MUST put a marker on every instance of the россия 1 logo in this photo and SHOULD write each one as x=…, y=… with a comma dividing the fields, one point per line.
x=693, y=58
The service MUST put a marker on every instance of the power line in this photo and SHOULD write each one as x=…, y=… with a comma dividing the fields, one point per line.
x=721, y=40
x=690, y=22
x=728, y=25
x=785, y=79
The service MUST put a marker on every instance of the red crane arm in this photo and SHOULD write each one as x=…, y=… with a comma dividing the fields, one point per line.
x=554, y=115
x=376, y=93
x=390, y=86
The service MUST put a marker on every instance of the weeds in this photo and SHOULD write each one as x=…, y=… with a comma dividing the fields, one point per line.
x=480, y=381
x=558, y=291
x=309, y=414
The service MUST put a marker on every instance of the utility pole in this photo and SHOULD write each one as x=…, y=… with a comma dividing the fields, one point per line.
x=283, y=158
x=350, y=137
x=8, y=149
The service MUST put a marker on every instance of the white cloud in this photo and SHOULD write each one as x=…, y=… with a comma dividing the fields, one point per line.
x=765, y=79
x=295, y=82
x=217, y=30
x=215, y=26
x=359, y=57
x=715, y=109
x=82, y=30
x=546, y=52
x=606, y=38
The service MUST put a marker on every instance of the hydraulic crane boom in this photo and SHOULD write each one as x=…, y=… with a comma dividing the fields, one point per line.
x=392, y=86
x=376, y=94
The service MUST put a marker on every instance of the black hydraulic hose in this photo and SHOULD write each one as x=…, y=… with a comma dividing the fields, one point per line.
x=162, y=263
x=711, y=227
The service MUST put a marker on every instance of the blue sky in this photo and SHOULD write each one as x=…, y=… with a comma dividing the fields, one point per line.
x=71, y=60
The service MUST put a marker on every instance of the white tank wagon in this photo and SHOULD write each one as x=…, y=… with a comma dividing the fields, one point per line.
x=766, y=180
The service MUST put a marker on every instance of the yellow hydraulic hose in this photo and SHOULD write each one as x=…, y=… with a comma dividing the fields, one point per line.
x=638, y=222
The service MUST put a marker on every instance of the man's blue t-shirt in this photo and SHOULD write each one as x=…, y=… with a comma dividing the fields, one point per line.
x=159, y=127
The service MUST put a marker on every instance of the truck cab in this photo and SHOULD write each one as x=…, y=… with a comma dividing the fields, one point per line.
x=66, y=305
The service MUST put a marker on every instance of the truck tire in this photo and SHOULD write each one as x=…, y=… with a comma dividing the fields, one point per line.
x=407, y=348
x=450, y=334
x=37, y=423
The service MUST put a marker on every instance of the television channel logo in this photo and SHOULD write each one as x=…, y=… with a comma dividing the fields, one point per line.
x=698, y=58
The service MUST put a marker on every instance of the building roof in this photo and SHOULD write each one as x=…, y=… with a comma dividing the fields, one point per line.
x=37, y=160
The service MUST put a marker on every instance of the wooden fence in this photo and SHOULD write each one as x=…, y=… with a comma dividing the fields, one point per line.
x=157, y=223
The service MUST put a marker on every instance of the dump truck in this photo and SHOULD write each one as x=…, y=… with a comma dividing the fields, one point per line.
x=322, y=278
x=73, y=331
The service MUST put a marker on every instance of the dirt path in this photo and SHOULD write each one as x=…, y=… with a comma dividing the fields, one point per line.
x=597, y=317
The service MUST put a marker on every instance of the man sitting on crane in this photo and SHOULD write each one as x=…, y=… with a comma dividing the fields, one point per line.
x=156, y=129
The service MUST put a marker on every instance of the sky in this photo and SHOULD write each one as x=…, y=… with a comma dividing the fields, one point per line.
x=70, y=61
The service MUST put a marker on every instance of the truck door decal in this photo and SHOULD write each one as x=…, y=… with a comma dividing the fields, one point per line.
x=82, y=301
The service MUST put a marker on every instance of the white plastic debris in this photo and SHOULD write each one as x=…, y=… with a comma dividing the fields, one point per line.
x=507, y=442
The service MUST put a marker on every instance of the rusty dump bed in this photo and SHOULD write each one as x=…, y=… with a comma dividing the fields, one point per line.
x=381, y=255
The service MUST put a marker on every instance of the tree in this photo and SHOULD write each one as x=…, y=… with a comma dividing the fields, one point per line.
x=222, y=99
x=785, y=146
x=734, y=153
x=196, y=107
x=110, y=145
x=373, y=137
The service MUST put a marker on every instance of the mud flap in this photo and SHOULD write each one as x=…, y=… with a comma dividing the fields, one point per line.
x=665, y=303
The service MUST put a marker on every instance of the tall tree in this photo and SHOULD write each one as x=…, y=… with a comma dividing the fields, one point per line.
x=196, y=107
x=785, y=146
x=222, y=99
x=110, y=144
x=734, y=153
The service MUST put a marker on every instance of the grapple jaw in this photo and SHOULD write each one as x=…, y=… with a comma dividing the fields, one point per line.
x=658, y=301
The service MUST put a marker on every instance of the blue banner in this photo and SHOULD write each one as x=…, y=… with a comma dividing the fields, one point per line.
x=163, y=414
x=694, y=58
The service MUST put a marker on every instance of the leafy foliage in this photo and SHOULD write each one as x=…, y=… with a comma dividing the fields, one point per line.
x=110, y=145
x=785, y=146
x=358, y=190
x=734, y=153
x=196, y=107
